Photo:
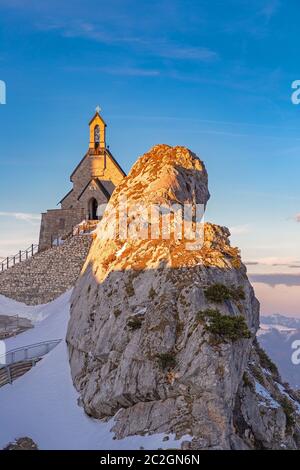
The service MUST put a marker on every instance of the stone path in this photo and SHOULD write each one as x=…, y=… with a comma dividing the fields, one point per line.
x=48, y=274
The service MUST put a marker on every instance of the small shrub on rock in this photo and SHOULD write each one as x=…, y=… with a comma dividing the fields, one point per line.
x=258, y=374
x=247, y=382
x=166, y=360
x=224, y=327
x=219, y=293
x=152, y=294
x=117, y=312
x=129, y=289
x=289, y=413
x=265, y=361
x=134, y=323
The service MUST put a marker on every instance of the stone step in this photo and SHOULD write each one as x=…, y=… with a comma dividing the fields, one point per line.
x=48, y=274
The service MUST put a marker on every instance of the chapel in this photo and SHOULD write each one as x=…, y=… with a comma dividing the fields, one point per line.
x=93, y=181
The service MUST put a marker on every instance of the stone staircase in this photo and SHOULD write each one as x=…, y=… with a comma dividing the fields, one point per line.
x=7, y=376
x=15, y=363
x=48, y=274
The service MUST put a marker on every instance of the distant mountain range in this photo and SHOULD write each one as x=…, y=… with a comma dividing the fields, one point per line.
x=290, y=322
x=276, y=335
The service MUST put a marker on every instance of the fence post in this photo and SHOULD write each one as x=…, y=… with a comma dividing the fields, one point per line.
x=9, y=377
x=7, y=260
x=32, y=250
x=20, y=256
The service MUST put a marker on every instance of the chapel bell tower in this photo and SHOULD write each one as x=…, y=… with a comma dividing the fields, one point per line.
x=97, y=132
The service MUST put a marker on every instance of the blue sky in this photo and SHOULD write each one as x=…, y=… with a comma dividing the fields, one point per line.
x=214, y=76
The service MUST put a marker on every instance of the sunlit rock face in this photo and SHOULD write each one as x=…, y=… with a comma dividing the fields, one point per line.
x=139, y=347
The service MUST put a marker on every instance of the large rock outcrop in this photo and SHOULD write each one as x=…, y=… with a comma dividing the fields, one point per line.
x=162, y=336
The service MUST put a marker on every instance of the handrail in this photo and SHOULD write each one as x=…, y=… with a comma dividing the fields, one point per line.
x=15, y=355
x=23, y=255
x=83, y=228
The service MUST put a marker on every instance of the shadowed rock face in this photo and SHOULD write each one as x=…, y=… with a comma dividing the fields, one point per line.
x=138, y=347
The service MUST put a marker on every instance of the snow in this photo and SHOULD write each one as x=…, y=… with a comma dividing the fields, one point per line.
x=58, y=241
x=295, y=403
x=266, y=328
x=141, y=311
x=263, y=392
x=121, y=251
x=43, y=404
x=34, y=313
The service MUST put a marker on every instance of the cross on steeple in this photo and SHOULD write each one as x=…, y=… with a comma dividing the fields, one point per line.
x=98, y=109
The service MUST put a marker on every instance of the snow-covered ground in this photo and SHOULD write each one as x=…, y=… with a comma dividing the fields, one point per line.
x=263, y=392
x=11, y=307
x=43, y=404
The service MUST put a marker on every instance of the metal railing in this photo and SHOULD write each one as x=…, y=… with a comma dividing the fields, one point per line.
x=11, y=324
x=83, y=228
x=23, y=255
x=26, y=353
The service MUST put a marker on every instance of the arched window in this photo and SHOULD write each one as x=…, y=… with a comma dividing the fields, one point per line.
x=93, y=207
x=97, y=136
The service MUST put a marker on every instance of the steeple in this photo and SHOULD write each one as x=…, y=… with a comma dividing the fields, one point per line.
x=97, y=131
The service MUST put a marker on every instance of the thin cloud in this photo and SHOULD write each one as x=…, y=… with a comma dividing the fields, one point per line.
x=121, y=71
x=276, y=279
x=256, y=22
x=87, y=30
x=239, y=229
x=275, y=262
x=151, y=46
x=130, y=71
x=187, y=53
x=24, y=216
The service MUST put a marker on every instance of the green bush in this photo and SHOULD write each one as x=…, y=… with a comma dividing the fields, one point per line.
x=247, y=381
x=224, y=327
x=289, y=413
x=117, y=312
x=265, y=361
x=237, y=293
x=152, y=293
x=166, y=360
x=203, y=315
x=257, y=374
x=179, y=328
x=134, y=323
x=129, y=289
x=219, y=293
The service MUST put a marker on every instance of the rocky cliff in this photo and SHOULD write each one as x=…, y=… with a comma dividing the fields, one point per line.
x=162, y=336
